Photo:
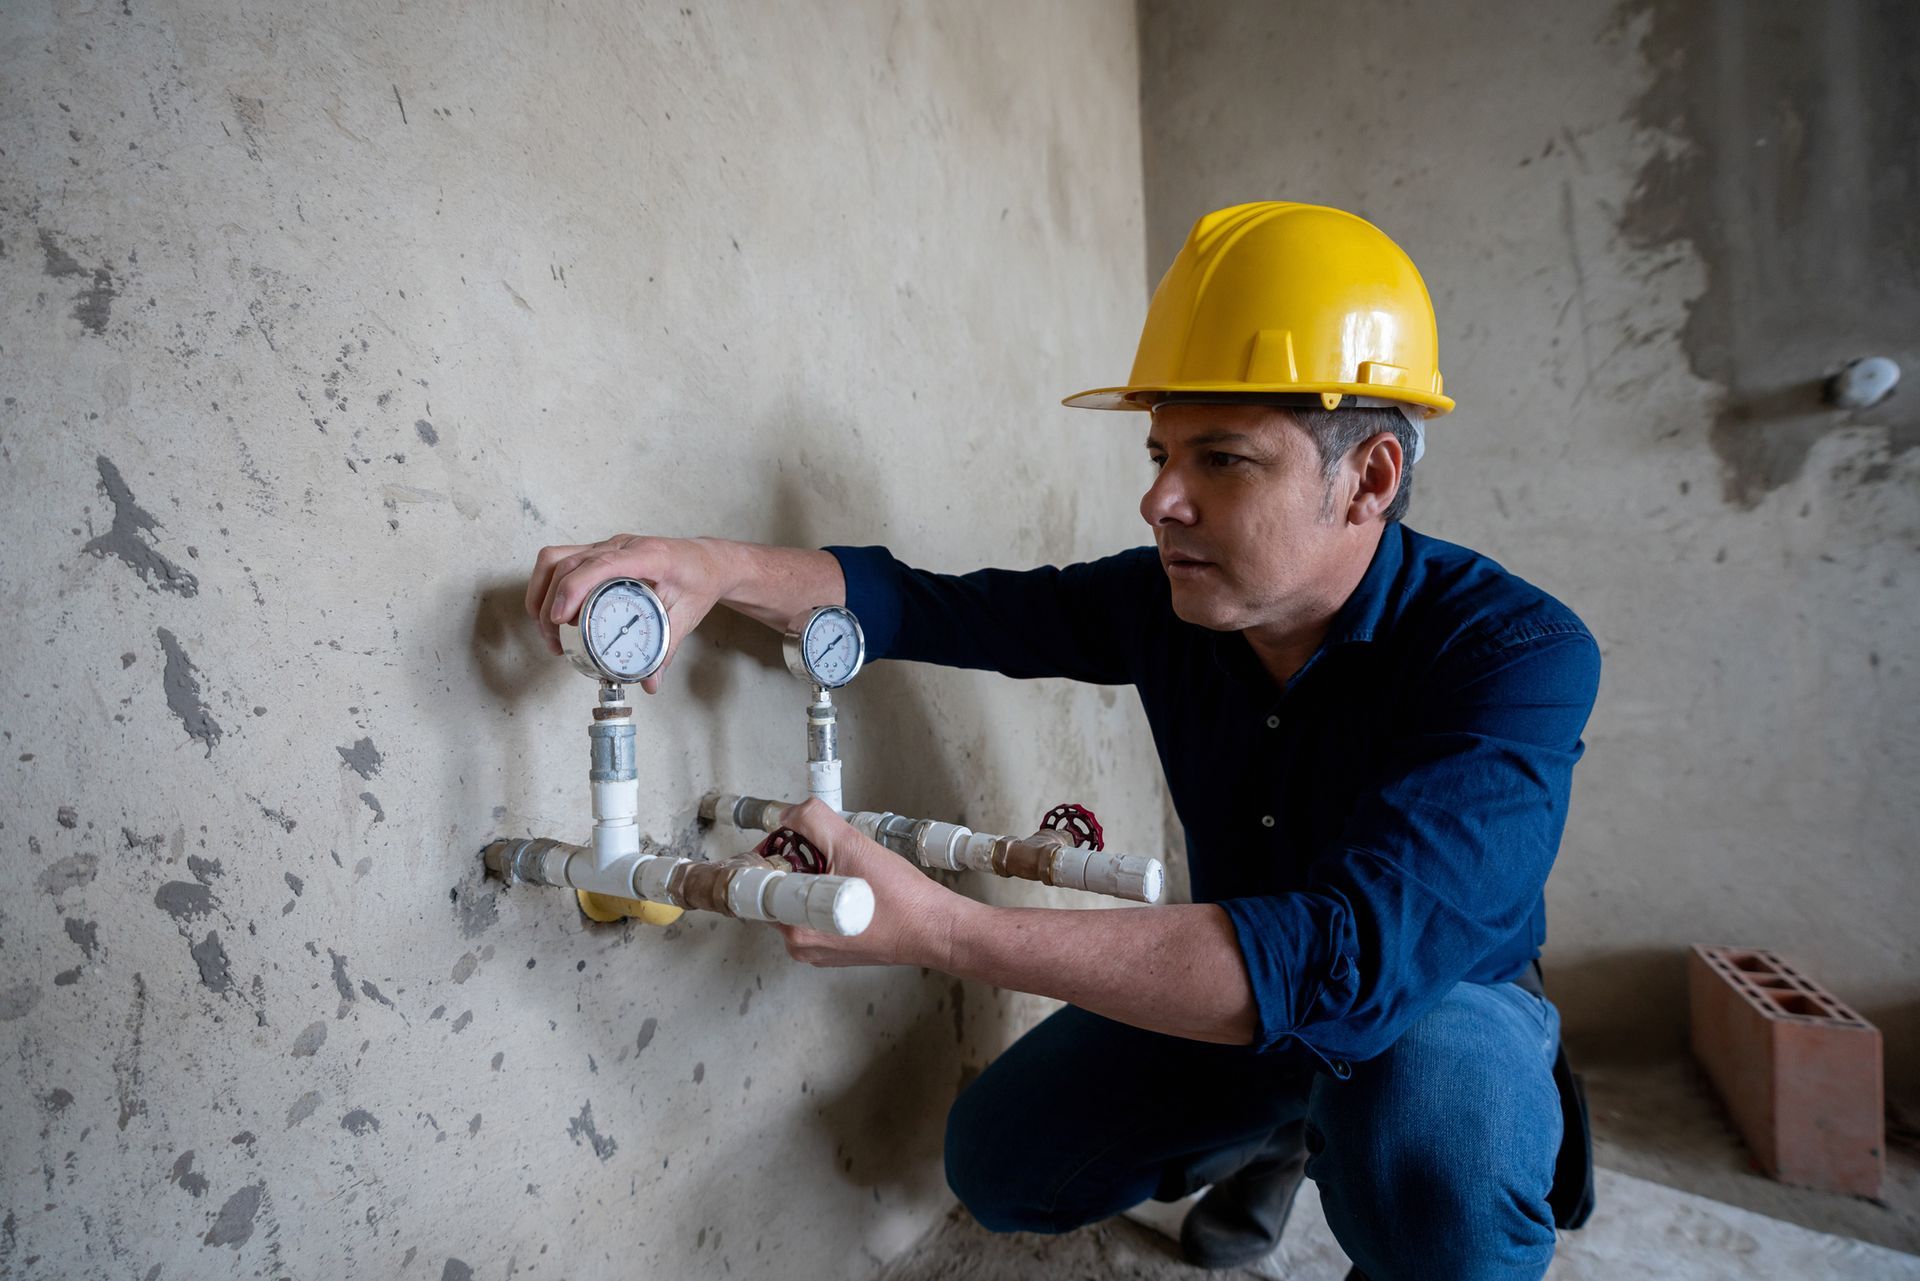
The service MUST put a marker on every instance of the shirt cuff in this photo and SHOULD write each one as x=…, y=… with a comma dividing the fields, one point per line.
x=1299, y=952
x=871, y=594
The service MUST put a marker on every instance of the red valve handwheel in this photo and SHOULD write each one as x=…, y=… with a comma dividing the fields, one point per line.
x=1078, y=822
x=797, y=850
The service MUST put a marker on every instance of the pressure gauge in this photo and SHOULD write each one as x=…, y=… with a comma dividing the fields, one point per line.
x=622, y=634
x=826, y=646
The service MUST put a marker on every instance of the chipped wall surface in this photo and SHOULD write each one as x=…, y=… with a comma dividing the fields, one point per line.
x=319, y=320
x=1651, y=231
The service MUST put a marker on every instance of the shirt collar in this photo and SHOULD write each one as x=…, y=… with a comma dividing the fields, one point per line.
x=1365, y=614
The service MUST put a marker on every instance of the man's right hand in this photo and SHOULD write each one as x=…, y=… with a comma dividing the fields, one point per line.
x=687, y=574
x=772, y=585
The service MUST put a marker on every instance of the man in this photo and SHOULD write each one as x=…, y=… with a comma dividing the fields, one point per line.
x=1368, y=734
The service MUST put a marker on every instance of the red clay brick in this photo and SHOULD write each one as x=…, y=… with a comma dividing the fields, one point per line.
x=1800, y=1071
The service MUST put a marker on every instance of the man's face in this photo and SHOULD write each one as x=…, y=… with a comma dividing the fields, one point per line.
x=1239, y=511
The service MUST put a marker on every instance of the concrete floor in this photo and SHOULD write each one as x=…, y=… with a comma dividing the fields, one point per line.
x=1642, y=1229
x=1677, y=1199
x=1661, y=1121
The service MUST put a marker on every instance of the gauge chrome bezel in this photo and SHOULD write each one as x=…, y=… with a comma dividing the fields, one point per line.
x=793, y=646
x=578, y=644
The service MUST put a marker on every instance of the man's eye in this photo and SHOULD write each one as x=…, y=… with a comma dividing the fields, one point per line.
x=1156, y=461
x=1219, y=459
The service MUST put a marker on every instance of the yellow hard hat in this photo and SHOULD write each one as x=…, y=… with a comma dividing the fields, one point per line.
x=1282, y=299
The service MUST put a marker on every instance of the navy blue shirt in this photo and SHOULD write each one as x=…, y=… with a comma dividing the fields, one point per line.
x=1379, y=829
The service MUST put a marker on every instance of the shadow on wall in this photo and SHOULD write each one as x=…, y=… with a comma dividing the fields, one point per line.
x=901, y=756
x=1900, y=1050
x=1625, y=1006
x=886, y=1126
x=889, y=1123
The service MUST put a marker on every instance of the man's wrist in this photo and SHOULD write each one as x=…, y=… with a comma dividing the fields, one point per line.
x=942, y=942
x=726, y=562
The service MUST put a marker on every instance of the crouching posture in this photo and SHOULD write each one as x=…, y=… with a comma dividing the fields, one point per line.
x=1368, y=734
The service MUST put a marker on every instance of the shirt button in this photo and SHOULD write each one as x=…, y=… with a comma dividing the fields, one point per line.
x=1266, y=820
x=1273, y=722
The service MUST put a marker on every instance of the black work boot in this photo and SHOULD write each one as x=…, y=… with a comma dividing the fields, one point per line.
x=1241, y=1217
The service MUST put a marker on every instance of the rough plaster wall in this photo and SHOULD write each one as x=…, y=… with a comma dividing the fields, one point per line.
x=1650, y=230
x=318, y=322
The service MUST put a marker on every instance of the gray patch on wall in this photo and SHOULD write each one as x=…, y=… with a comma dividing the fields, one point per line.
x=1789, y=181
x=212, y=960
x=124, y=539
x=341, y=983
x=69, y=873
x=15, y=1001
x=311, y=1038
x=581, y=1127
x=303, y=1107
x=183, y=900
x=476, y=905
x=85, y=935
x=92, y=305
x=126, y=1064
x=363, y=758
x=182, y=1174
x=234, y=1224
x=359, y=1121
x=183, y=694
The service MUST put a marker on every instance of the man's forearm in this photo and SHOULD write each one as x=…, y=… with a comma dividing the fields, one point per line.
x=1176, y=969
x=774, y=585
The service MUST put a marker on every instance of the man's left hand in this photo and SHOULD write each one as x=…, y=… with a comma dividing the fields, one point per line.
x=912, y=915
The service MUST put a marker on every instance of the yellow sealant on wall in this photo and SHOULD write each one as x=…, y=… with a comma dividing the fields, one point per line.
x=605, y=908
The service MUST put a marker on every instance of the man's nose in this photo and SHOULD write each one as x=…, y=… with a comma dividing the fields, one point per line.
x=1166, y=501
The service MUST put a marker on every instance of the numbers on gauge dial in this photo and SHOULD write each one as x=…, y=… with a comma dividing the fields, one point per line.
x=627, y=631
x=832, y=647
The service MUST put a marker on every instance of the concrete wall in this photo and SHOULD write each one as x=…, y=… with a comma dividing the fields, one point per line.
x=318, y=322
x=1651, y=230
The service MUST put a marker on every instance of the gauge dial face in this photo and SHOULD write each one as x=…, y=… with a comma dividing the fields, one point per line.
x=625, y=629
x=832, y=646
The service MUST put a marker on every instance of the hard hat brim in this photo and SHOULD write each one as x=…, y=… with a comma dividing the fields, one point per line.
x=1142, y=398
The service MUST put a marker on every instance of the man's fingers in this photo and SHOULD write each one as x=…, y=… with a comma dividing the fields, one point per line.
x=824, y=829
x=542, y=576
x=570, y=586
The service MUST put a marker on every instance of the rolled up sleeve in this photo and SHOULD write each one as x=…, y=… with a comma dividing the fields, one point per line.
x=1443, y=861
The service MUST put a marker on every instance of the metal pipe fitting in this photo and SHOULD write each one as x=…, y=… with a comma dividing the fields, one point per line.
x=747, y=888
x=823, y=749
x=1047, y=856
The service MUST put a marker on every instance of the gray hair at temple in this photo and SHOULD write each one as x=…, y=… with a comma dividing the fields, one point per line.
x=1336, y=432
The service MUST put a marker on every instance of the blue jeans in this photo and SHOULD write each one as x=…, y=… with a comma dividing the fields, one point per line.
x=1433, y=1160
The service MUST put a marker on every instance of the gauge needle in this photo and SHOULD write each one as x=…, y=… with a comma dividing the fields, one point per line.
x=829, y=649
x=623, y=631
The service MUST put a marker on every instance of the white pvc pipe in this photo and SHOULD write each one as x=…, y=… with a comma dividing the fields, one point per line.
x=950, y=846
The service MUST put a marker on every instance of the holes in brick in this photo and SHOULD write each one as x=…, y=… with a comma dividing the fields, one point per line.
x=1751, y=962
x=1795, y=1003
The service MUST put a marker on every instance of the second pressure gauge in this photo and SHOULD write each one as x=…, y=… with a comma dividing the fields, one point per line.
x=622, y=634
x=826, y=646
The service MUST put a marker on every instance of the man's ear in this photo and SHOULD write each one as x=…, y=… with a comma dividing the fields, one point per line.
x=1377, y=463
